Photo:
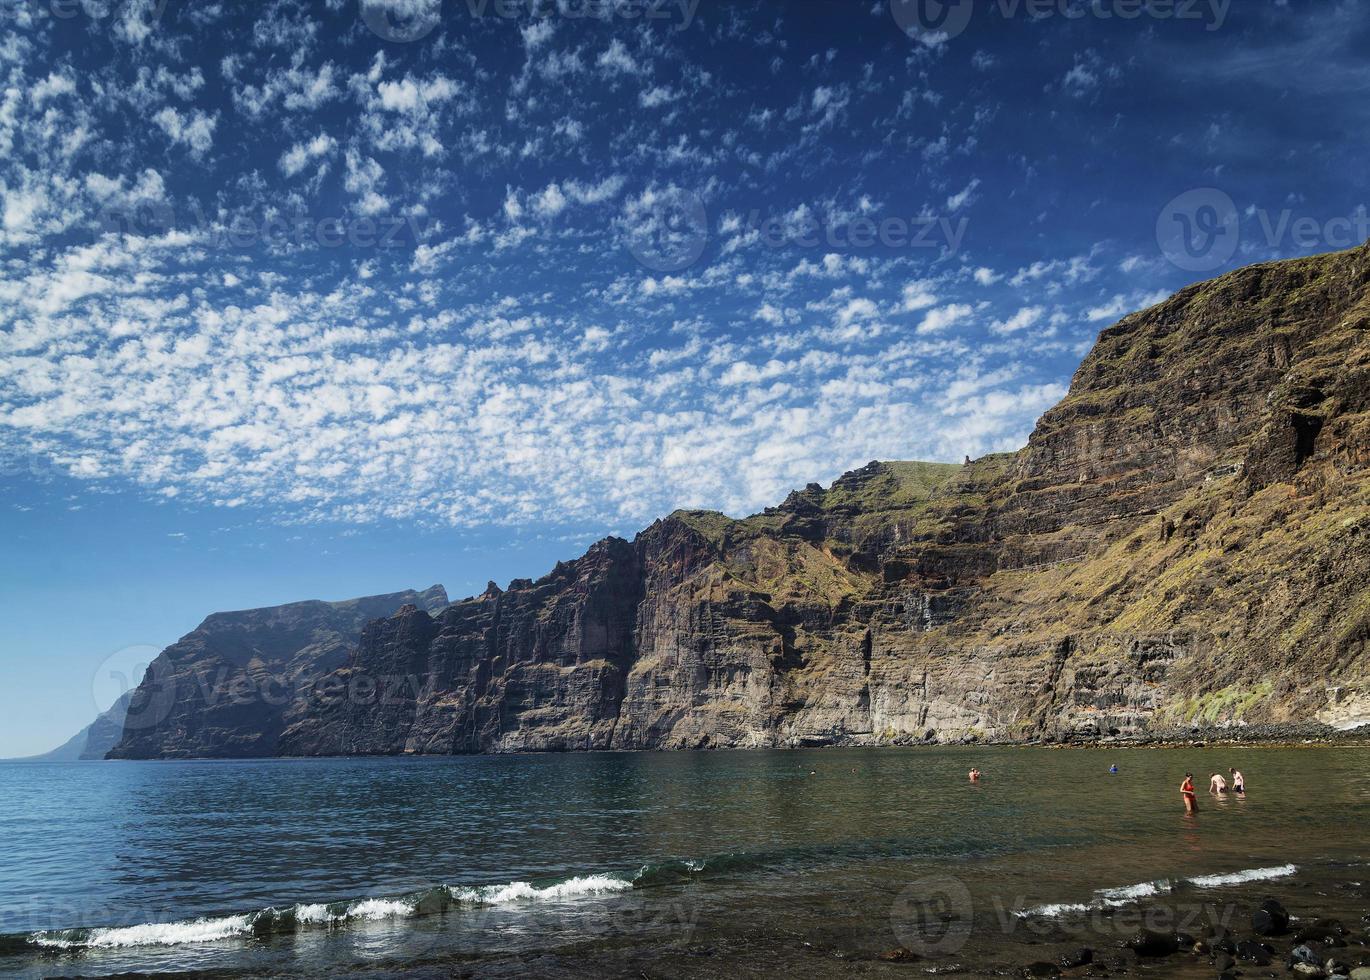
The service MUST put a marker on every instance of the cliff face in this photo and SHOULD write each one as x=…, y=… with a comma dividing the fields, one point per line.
x=227, y=689
x=1185, y=538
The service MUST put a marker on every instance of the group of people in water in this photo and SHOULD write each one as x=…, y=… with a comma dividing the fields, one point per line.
x=1217, y=785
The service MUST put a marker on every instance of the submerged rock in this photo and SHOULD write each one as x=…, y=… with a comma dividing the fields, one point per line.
x=899, y=954
x=1153, y=944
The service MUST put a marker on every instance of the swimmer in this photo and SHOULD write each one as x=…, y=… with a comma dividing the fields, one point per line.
x=1238, y=782
x=1113, y=768
x=1191, y=802
x=1217, y=785
x=975, y=775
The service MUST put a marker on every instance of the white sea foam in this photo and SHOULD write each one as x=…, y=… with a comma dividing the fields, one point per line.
x=1054, y=911
x=522, y=891
x=151, y=934
x=367, y=910
x=1130, y=893
x=1241, y=877
x=380, y=908
x=314, y=914
x=318, y=914
x=1108, y=898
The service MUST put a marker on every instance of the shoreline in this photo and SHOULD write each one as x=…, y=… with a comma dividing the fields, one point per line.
x=1284, y=735
x=1303, y=928
x=1253, y=736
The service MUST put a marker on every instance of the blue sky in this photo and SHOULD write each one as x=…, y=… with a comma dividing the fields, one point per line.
x=323, y=299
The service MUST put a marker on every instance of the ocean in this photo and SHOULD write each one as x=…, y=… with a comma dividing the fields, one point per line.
x=717, y=864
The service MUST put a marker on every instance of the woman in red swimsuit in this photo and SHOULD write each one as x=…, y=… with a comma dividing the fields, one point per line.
x=1191, y=802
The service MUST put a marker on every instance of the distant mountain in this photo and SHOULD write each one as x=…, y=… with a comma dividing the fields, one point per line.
x=227, y=689
x=93, y=741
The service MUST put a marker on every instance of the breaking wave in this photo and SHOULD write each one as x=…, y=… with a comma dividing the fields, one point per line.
x=328, y=915
x=1242, y=877
x=1109, y=898
x=431, y=901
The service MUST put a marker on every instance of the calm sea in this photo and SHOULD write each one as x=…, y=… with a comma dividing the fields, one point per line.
x=703, y=864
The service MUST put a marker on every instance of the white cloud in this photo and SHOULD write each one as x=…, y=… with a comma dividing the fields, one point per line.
x=959, y=200
x=656, y=96
x=299, y=156
x=617, y=60
x=195, y=129
x=364, y=179
x=1027, y=317
x=941, y=317
x=917, y=296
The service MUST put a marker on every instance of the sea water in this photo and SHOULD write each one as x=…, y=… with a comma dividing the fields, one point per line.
x=718, y=864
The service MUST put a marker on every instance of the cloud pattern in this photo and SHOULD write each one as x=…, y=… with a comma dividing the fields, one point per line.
x=433, y=263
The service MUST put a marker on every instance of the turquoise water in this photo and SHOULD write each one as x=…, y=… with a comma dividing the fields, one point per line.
x=548, y=864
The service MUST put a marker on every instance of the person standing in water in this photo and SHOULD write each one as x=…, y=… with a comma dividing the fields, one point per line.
x=975, y=775
x=1191, y=802
x=1238, y=782
x=1217, y=785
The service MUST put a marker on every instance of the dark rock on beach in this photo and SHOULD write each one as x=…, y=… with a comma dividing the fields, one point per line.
x=1153, y=944
x=1305, y=954
x=1322, y=931
x=1270, y=919
x=1254, y=952
x=1081, y=957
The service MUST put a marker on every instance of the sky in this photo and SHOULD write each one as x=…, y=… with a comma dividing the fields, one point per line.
x=332, y=298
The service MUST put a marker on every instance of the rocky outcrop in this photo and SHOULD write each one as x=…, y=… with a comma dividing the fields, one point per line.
x=228, y=689
x=1184, y=541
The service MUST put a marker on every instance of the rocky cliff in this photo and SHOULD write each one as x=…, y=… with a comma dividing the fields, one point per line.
x=229, y=688
x=1184, y=540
